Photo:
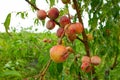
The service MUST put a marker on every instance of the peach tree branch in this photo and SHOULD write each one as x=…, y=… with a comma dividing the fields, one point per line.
x=83, y=33
x=36, y=8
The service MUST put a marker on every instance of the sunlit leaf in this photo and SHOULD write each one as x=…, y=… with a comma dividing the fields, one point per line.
x=7, y=21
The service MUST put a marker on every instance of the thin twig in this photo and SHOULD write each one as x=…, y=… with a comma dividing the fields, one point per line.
x=60, y=39
x=35, y=7
x=42, y=74
x=80, y=39
x=68, y=12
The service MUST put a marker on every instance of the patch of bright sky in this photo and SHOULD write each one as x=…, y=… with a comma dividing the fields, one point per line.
x=13, y=6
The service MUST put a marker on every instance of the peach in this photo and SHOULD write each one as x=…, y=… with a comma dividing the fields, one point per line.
x=65, y=1
x=86, y=67
x=72, y=37
x=64, y=20
x=58, y=53
x=85, y=59
x=89, y=37
x=95, y=60
x=53, y=13
x=77, y=27
x=50, y=24
x=70, y=33
x=60, y=31
x=41, y=14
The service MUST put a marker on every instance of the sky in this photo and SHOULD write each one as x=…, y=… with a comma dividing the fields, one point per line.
x=14, y=6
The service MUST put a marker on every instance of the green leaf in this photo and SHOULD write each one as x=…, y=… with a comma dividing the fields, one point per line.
x=74, y=68
x=53, y=70
x=52, y=2
x=7, y=22
x=10, y=73
x=43, y=22
x=33, y=2
x=59, y=67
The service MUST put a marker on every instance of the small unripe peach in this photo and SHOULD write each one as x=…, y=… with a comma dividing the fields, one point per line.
x=66, y=1
x=60, y=31
x=53, y=13
x=41, y=14
x=58, y=53
x=86, y=67
x=89, y=37
x=64, y=20
x=69, y=49
x=73, y=6
x=50, y=24
x=85, y=59
x=95, y=60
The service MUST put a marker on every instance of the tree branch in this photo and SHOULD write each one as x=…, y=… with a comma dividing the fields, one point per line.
x=80, y=39
x=35, y=7
x=83, y=33
x=42, y=74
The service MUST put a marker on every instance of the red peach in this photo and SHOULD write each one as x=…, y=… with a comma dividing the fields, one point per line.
x=64, y=20
x=95, y=60
x=41, y=14
x=86, y=67
x=77, y=27
x=85, y=59
x=53, y=13
x=50, y=24
x=70, y=33
x=60, y=31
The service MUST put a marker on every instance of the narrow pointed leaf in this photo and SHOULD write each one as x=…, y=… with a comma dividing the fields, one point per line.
x=7, y=22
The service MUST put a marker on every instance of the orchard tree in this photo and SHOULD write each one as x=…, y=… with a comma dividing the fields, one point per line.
x=80, y=53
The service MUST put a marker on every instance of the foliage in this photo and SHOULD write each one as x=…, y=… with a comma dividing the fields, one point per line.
x=24, y=55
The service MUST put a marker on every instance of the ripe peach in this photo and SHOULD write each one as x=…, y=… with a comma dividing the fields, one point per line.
x=64, y=20
x=58, y=53
x=50, y=24
x=77, y=27
x=85, y=59
x=66, y=1
x=70, y=33
x=72, y=37
x=60, y=32
x=53, y=13
x=95, y=60
x=41, y=14
x=86, y=67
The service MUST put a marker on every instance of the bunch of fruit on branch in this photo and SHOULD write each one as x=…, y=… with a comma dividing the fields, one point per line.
x=59, y=53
